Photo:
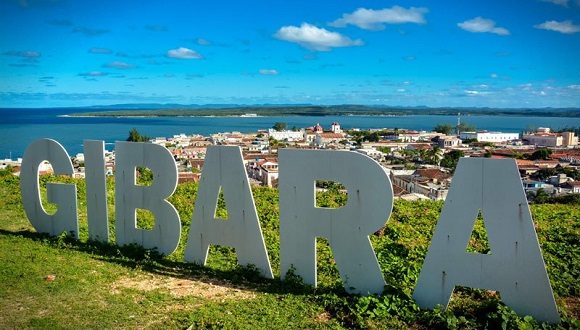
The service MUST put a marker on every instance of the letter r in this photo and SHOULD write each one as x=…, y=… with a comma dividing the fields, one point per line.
x=369, y=205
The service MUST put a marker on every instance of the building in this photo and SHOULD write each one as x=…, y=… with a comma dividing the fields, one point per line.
x=263, y=170
x=335, y=128
x=430, y=182
x=574, y=186
x=493, y=137
x=372, y=153
x=317, y=128
x=534, y=186
x=543, y=137
x=286, y=135
x=325, y=138
x=448, y=142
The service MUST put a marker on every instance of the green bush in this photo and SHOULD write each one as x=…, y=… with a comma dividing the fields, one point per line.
x=400, y=247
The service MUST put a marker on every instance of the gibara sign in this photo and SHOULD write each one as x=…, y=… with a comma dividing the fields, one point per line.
x=515, y=267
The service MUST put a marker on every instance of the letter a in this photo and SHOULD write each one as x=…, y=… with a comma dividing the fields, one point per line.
x=515, y=266
x=223, y=168
x=128, y=196
x=369, y=205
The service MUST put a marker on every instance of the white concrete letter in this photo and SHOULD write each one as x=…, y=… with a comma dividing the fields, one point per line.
x=515, y=266
x=64, y=195
x=369, y=205
x=224, y=168
x=128, y=196
x=96, y=190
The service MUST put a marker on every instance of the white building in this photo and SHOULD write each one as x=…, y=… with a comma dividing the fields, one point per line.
x=373, y=153
x=546, y=139
x=494, y=137
x=264, y=171
x=286, y=135
x=449, y=142
x=335, y=128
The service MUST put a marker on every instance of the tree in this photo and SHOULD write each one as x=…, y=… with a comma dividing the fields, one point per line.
x=435, y=155
x=373, y=137
x=465, y=127
x=135, y=136
x=541, y=196
x=279, y=126
x=543, y=154
x=385, y=150
x=443, y=128
x=451, y=159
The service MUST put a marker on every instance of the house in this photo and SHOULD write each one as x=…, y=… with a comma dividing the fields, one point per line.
x=532, y=185
x=574, y=186
x=448, y=142
x=263, y=170
x=325, y=138
x=286, y=135
x=373, y=153
x=493, y=137
x=188, y=177
x=543, y=137
x=430, y=182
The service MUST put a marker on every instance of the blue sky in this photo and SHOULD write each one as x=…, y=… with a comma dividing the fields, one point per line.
x=409, y=53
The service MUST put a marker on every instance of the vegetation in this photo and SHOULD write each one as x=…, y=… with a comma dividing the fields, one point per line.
x=540, y=196
x=279, y=126
x=361, y=136
x=545, y=173
x=543, y=154
x=58, y=282
x=451, y=159
x=446, y=129
x=312, y=110
x=465, y=127
x=449, y=129
x=135, y=136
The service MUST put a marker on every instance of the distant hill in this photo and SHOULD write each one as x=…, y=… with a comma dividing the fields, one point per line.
x=173, y=110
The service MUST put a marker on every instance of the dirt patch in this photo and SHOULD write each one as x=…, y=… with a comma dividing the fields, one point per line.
x=323, y=317
x=573, y=306
x=179, y=287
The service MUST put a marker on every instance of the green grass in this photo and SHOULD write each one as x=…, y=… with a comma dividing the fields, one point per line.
x=99, y=285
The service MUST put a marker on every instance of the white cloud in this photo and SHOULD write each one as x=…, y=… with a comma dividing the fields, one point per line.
x=470, y=92
x=184, y=54
x=119, y=65
x=99, y=50
x=315, y=38
x=202, y=42
x=370, y=19
x=566, y=27
x=558, y=2
x=26, y=53
x=93, y=74
x=481, y=25
x=493, y=75
x=268, y=72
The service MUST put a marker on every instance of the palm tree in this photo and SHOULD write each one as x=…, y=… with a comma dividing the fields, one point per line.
x=435, y=155
x=272, y=144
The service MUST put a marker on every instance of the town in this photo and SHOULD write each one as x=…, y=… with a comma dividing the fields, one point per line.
x=420, y=163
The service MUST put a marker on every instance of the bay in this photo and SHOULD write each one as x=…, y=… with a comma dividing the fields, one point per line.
x=19, y=127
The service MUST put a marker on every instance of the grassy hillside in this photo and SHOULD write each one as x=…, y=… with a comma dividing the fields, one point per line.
x=62, y=283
